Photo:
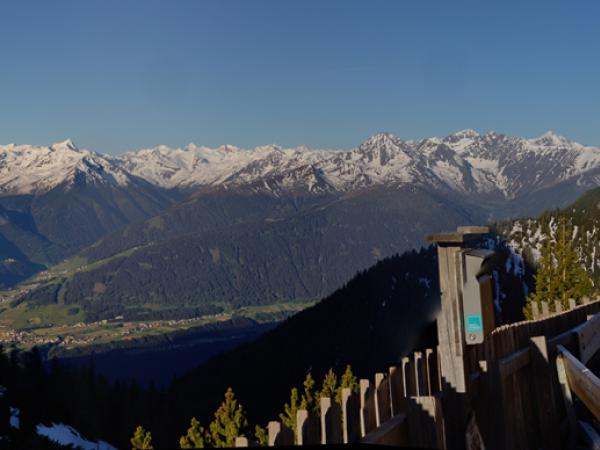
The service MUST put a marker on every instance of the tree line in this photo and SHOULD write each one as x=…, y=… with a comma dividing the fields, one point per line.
x=560, y=274
x=230, y=419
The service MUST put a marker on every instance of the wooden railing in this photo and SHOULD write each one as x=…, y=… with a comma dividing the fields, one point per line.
x=400, y=407
x=576, y=378
x=514, y=391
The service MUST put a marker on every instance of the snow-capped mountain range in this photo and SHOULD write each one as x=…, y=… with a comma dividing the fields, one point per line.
x=493, y=165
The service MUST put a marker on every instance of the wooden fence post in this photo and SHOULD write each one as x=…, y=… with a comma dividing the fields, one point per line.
x=331, y=421
x=397, y=390
x=557, y=306
x=279, y=435
x=408, y=374
x=567, y=399
x=367, y=408
x=382, y=399
x=545, y=310
x=542, y=372
x=420, y=381
x=535, y=310
x=307, y=430
x=450, y=326
x=350, y=416
x=431, y=371
x=242, y=441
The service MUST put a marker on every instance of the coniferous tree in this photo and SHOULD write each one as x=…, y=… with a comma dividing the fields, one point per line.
x=262, y=437
x=560, y=275
x=288, y=417
x=330, y=385
x=348, y=380
x=142, y=439
x=196, y=436
x=230, y=422
x=574, y=281
x=308, y=397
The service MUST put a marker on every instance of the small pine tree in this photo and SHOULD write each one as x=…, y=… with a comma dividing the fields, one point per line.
x=560, y=275
x=196, y=436
x=348, y=381
x=330, y=385
x=573, y=279
x=307, y=400
x=142, y=439
x=230, y=422
x=288, y=417
x=262, y=437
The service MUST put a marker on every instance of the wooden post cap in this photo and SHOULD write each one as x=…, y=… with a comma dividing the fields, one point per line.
x=459, y=236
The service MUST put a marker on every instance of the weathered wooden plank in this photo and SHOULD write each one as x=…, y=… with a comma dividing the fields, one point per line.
x=567, y=397
x=242, y=441
x=396, y=390
x=420, y=380
x=331, y=421
x=382, y=399
x=535, y=311
x=563, y=339
x=545, y=309
x=425, y=422
x=431, y=371
x=279, y=434
x=350, y=416
x=557, y=306
x=545, y=403
x=367, y=407
x=588, y=338
x=307, y=428
x=513, y=362
x=581, y=381
x=393, y=432
x=451, y=340
x=408, y=374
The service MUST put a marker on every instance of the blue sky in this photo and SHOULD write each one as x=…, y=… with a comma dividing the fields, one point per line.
x=121, y=75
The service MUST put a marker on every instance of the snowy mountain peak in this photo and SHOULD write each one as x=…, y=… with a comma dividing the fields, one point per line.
x=492, y=165
x=67, y=144
x=467, y=133
x=382, y=140
x=28, y=169
x=550, y=138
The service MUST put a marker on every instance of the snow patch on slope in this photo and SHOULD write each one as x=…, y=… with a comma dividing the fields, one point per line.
x=66, y=435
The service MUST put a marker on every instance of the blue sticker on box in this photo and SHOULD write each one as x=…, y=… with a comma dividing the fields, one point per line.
x=474, y=323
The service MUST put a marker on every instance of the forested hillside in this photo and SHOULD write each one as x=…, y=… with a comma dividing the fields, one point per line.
x=526, y=236
x=232, y=249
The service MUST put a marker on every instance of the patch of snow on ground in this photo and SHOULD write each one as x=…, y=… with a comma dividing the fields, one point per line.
x=66, y=435
x=14, y=418
x=425, y=281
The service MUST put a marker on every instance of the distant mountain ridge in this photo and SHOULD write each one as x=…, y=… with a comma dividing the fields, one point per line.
x=182, y=229
x=56, y=200
x=492, y=166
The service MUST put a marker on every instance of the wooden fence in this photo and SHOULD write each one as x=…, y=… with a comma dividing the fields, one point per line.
x=514, y=395
x=514, y=390
x=399, y=407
